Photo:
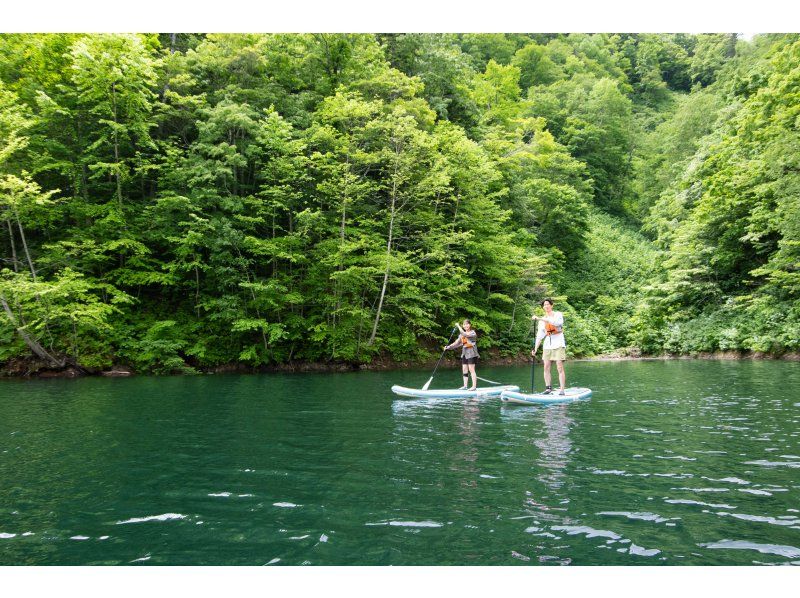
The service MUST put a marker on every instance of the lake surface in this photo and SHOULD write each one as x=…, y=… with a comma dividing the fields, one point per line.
x=673, y=463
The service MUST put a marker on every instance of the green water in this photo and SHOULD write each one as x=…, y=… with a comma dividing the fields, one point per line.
x=680, y=462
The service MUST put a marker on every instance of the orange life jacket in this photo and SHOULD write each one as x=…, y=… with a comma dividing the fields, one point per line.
x=465, y=342
x=550, y=329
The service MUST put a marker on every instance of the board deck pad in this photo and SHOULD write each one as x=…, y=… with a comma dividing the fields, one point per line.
x=537, y=398
x=452, y=393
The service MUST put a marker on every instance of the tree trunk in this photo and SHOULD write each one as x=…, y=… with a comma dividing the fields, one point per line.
x=13, y=246
x=341, y=265
x=25, y=246
x=388, y=255
x=197, y=291
x=33, y=345
x=274, y=259
x=258, y=312
x=291, y=232
x=84, y=183
x=74, y=341
x=360, y=327
x=116, y=145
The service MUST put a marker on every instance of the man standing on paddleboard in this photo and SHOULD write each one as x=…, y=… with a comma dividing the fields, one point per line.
x=550, y=330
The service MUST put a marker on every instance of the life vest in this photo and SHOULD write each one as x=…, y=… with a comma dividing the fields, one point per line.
x=465, y=342
x=550, y=329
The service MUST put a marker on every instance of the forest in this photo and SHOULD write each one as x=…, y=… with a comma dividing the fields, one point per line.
x=178, y=203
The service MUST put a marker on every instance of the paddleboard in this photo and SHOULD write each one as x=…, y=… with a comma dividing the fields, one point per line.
x=452, y=393
x=537, y=398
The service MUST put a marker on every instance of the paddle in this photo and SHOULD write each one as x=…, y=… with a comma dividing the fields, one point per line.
x=489, y=381
x=428, y=383
x=533, y=361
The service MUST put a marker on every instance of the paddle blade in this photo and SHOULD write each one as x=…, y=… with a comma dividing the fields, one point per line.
x=428, y=383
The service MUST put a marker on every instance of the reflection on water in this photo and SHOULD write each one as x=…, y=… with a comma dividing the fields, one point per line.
x=670, y=463
x=469, y=430
x=554, y=446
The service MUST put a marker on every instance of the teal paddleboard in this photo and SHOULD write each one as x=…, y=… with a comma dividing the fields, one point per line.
x=537, y=398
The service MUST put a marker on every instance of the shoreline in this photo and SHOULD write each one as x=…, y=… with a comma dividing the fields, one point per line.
x=26, y=368
x=708, y=356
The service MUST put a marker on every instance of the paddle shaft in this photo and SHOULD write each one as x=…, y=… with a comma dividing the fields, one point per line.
x=533, y=361
x=440, y=360
x=533, y=357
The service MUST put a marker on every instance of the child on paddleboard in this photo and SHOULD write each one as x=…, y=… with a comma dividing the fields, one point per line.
x=468, y=341
x=550, y=330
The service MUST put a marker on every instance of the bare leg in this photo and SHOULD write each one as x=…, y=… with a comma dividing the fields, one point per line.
x=562, y=377
x=464, y=370
x=474, y=376
x=547, y=372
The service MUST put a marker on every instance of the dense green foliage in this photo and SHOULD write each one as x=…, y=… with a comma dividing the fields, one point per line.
x=178, y=202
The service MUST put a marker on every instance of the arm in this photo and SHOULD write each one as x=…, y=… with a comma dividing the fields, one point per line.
x=465, y=337
x=539, y=335
x=457, y=342
x=455, y=345
x=557, y=319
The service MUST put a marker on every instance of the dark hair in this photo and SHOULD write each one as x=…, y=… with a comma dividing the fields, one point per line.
x=467, y=321
x=550, y=301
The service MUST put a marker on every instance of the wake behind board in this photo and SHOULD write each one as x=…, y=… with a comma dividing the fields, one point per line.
x=537, y=398
x=453, y=393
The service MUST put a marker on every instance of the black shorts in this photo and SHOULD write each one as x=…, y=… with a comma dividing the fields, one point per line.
x=469, y=360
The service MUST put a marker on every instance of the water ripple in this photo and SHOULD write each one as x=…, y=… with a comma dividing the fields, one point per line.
x=683, y=501
x=761, y=519
x=638, y=550
x=408, y=523
x=765, y=463
x=641, y=516
x=164, y=517
x=590, y=532
x=780, y=550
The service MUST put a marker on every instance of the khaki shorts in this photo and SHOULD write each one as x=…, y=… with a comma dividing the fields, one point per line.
x=559, y=354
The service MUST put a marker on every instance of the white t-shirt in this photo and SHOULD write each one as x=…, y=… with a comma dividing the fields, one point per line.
x=554, y=341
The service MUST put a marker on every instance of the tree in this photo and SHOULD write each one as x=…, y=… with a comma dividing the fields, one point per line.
x=548, y=190
x=710, y=54
x=536, y=67
x=484, y=47
x=600, y=134
x=496, y=93
x=114, y=76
